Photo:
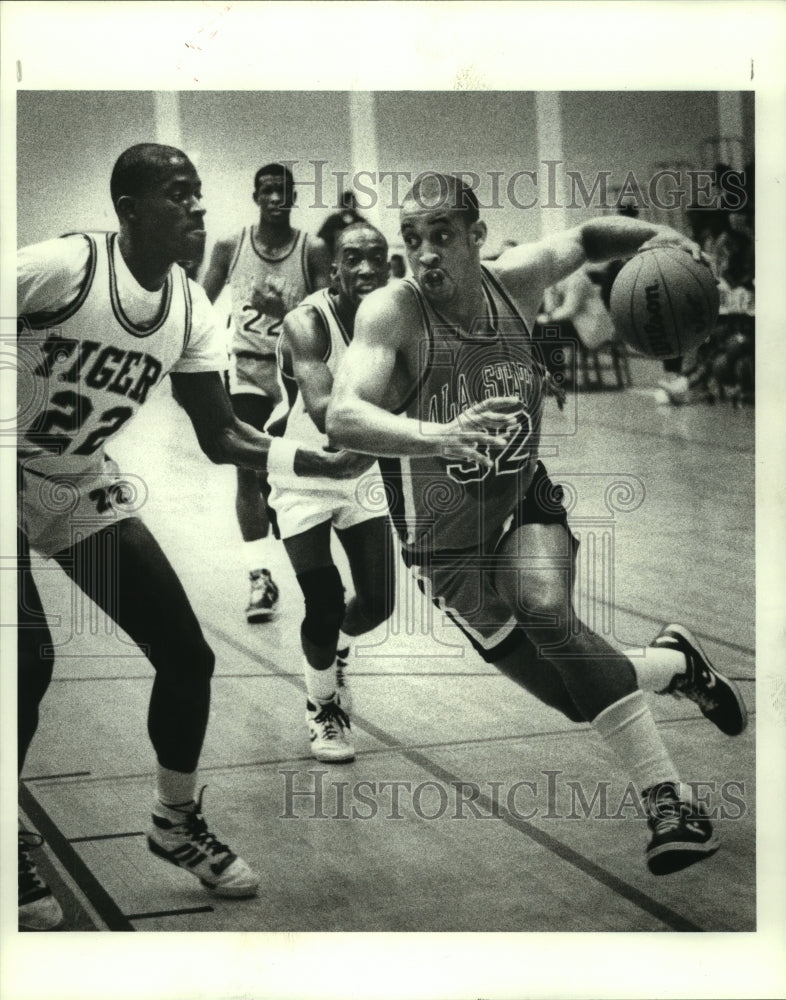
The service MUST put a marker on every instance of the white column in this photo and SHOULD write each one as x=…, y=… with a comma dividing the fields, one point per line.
x=551, y=163
x=167, y=118
x=363, y=146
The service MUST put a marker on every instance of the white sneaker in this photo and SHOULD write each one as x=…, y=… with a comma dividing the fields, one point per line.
x=342, y=678
x=263, y=598
x=329, y=732
x=181, y=837
x=38, y=908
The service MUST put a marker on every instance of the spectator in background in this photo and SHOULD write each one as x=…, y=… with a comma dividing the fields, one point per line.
x=398, y=269
x=345, y=216
x=724, y=365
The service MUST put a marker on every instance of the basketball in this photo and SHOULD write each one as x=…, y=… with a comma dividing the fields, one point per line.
x=664, y=303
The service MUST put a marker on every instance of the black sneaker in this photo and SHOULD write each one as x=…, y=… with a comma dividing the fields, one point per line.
x=718, y=697
x=681, y=833
x=38, y=908
x=263, y=599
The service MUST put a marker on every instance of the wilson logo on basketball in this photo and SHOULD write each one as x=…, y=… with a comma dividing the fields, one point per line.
x=654, y=328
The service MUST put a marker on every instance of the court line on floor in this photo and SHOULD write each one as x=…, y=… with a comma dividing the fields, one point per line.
x=101, y=901
x=360, y=723
x=659, y=620
x=283, y=675
x=171, y=913
x=116, y=920
x=665, y=914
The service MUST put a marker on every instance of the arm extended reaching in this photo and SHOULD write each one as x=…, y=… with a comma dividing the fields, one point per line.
x=527, y=270
x=227, y=440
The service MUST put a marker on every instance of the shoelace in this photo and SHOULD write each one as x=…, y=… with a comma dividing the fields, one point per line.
x=684, y=687
x=333, y=718
x=29, y=878
x=196, y=829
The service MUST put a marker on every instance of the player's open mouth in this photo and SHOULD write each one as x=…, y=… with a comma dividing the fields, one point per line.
x=365, y=288
x=433, y=279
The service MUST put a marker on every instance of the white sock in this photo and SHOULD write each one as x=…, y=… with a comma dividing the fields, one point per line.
x=175, y=788
x=320, y=684
x=258, y=553
x=629, y=729
x=655, y=666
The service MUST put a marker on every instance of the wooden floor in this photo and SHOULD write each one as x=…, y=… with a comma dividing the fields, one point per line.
x=664, y=507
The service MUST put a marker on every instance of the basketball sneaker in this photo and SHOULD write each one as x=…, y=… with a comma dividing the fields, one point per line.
x=263, y=600
x=329, y=732
x=342, y=678
x=716, y=695
x=38, y=908
x=180, y=835
x=681, y=833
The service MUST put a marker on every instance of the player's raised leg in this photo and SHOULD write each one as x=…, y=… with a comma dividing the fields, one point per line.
x=602, y=683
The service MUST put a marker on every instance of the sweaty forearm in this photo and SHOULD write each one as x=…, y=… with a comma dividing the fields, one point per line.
x=243, y=445
x=367, y=428
x=239, y=444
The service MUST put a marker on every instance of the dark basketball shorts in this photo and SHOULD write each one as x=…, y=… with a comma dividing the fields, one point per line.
x=461, y=583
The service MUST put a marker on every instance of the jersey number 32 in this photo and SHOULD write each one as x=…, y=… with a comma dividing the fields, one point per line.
x=509, y=459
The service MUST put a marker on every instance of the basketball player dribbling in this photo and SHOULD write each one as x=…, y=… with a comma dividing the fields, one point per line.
x=428, y=349
x=311, y=348
x=270, y=268
x=103, y=318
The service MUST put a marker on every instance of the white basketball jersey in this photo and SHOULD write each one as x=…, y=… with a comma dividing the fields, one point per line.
x=84, y=372
x=300, y=426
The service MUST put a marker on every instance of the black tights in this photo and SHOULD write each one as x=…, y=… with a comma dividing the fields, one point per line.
x=124, y=571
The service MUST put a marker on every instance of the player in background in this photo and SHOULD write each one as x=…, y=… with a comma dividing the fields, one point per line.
x=270, y=267
x=313, y=342
x=102, y=319
x=428, y=348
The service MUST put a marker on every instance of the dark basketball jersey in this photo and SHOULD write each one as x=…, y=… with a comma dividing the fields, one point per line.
x=444, y=504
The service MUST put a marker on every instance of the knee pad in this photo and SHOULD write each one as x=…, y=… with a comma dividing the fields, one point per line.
x=324, y=595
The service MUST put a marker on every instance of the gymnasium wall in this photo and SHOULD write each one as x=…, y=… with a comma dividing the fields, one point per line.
x=67, y=143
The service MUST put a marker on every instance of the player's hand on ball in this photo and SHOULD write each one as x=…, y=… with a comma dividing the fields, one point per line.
x=671, y=238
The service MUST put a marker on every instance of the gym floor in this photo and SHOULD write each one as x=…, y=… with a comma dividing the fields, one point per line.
x=394, y=841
